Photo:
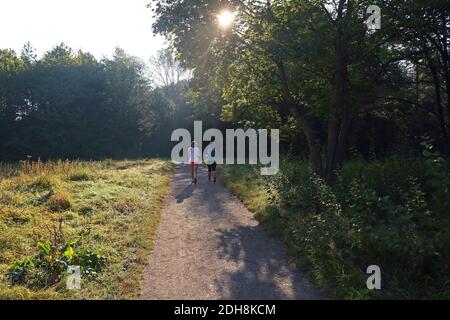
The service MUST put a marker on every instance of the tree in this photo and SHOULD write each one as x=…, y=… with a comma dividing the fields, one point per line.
x=69, y=105
x=312, y=61
x=166, y=71
x=424, y=28
x=28, y=55
x=12, y=104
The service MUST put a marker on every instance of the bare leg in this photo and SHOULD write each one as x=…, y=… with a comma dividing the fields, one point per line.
x=195, y=174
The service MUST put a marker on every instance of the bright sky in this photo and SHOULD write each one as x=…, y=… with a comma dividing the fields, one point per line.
x=96, y=26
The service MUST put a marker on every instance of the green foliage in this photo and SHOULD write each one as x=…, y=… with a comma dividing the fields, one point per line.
x=438, y=177
x=19, y=268
x=69, y=105
x=387, y=213
x=314, y=70
x=52, y=261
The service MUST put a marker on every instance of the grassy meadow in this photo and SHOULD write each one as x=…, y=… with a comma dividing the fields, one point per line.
x=101, y=215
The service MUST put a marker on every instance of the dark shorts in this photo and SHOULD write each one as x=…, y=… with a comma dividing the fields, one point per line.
x=212, y=167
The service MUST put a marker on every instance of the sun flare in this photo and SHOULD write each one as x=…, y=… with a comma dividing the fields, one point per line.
x=225, y=18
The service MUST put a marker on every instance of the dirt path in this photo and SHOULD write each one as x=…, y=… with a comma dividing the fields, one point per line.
x=209, y=246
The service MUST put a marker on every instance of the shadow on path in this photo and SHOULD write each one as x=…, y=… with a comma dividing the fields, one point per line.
x=185, y=193
x=209, y=246
x=263, y=271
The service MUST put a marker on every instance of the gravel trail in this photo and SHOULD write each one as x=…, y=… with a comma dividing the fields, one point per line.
x=209, y=246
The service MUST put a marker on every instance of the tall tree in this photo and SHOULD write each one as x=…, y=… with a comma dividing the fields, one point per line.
x=313, y=60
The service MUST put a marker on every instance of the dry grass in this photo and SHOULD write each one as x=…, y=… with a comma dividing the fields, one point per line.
x=59, y=202
x=113, y=207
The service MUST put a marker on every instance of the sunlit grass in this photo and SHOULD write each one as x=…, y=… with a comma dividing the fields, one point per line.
x=112, y=206
x=244, y=182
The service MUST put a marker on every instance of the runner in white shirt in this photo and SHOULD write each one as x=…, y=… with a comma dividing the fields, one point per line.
x=194, y=160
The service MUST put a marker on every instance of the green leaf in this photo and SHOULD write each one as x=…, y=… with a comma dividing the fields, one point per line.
x=44, y=248
x=69, y=253
x=72, y=242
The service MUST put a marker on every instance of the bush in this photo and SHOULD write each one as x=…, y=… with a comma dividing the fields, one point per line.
x=59, y=202
x=292, y=187
x=51, y=261
x=392, y=213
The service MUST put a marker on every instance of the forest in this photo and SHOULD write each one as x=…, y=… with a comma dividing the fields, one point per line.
x=68, y=105
x=364, y=119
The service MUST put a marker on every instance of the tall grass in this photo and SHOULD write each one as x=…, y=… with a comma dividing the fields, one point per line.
x=60, y=167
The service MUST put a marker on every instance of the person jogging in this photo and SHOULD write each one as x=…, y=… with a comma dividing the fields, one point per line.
x=194, y=160
x=211, y=163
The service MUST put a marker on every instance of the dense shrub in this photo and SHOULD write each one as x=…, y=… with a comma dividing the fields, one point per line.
x=392, y=213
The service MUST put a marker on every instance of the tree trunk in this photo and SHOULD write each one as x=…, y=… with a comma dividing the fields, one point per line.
x=299, y=112
x=338, y=120
x=440, y=108
x=445, y=59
